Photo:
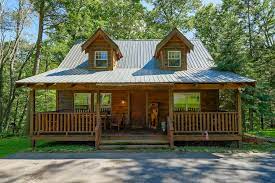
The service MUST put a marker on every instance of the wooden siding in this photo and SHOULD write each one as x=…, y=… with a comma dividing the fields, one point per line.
x=65, y=100
x=118, y=108
x=100, y=44
x=209, y=100
x=174, y=44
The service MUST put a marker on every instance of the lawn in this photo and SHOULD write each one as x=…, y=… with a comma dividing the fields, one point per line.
x=13, y=145
x=264, y=133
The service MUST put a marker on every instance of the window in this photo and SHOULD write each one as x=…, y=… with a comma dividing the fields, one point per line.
x=174, y=58
x=82, y=102
x=186, y=101
x=101, y=59
x=105, y=102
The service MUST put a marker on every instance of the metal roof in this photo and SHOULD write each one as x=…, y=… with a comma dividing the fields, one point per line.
x=137, y=66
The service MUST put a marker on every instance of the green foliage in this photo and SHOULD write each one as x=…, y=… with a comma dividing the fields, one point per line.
x=13, y=145
x=264, y=133
x=240, y=36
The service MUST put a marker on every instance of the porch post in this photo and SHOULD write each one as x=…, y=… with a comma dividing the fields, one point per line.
x=31, y=115
x=146, y=108
x=170, y=128
x=98, y=121
x=238, y=98
x=129, y=104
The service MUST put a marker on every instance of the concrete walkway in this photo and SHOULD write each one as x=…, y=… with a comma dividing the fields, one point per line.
x=137, y=167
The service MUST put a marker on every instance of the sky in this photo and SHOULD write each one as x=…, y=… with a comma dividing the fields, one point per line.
x=31, y=32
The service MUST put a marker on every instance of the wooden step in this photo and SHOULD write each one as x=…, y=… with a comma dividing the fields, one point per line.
x=138, y=147
x=134, y=141
x=140, y=137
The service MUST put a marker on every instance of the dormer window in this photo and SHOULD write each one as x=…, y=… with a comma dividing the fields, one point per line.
x=101, y=59
x=174, y=58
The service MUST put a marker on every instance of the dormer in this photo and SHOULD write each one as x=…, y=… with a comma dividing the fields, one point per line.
x=103, y=52
x=172, y=51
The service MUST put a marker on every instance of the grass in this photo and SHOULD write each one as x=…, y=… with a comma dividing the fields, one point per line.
x=246, y=147
x=13, y=145
x=264, y=133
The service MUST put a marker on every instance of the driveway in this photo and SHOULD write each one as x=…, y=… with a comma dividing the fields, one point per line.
x=137, y=167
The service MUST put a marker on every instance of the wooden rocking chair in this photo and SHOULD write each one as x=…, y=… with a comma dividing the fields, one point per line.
x=118, y=123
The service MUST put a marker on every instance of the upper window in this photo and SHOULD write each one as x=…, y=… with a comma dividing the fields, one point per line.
x=187, y=101
x=82, y=102
x=174, y=58
x=105, y=102
x=101, y=59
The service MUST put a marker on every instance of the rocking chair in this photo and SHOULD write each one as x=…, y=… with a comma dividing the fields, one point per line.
x=118, y=123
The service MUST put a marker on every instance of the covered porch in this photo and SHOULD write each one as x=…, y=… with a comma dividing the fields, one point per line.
x=131, y=107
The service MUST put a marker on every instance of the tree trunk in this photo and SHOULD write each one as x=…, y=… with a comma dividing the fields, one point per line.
x=39, y=38
x=243, y=120
x=251, y=122
x=262, y=121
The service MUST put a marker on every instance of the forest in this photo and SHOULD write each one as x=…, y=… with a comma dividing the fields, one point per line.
x=238, y=33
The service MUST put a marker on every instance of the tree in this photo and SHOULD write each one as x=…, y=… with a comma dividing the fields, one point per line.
x=168, y=14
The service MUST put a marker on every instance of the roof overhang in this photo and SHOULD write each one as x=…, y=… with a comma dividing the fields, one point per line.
x=140, y=86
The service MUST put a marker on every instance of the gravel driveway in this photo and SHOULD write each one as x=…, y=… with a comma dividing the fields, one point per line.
x=137, y=167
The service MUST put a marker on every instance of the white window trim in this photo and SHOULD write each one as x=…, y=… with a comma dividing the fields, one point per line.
x=95, y=59
x=172, y=58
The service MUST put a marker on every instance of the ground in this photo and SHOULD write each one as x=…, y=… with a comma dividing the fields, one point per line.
x=137, y=167
x=269, y=133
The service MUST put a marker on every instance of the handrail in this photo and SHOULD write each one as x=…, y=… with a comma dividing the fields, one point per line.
x=64, y=122
x=212, y=122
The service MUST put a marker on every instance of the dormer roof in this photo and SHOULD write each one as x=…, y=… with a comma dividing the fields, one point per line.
x=100, y=32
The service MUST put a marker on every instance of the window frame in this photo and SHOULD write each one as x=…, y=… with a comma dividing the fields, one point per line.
x=168, y=59
x=89, y=100
x=186, y=93
x=95, y=59
x=95, y=101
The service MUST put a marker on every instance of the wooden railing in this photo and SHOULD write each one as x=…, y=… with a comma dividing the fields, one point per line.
x=199, y=122
x=64, y=122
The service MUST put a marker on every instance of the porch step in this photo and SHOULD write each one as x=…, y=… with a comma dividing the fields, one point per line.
x=138, y=147
x=136, y=137
x=134, y=142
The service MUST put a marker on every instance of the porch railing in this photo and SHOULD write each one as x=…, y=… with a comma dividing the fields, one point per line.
x=64, y=122
x=212, y=122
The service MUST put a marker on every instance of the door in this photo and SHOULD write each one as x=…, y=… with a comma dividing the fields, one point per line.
x=138, y=109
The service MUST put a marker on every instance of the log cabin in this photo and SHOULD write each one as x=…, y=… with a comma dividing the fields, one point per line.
x=137, y=91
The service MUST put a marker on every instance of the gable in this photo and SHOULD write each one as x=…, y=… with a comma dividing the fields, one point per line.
x=100, y=43
x=174, y=35
x=172, y=51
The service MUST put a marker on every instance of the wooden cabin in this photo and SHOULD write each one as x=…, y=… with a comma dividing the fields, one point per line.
x=141, y=91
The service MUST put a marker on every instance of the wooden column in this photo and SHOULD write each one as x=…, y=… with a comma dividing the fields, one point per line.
x=98, y=121
x=129, y=104
x=239, y=110
x=146, y=108
x=31, y=115
x=170, y=129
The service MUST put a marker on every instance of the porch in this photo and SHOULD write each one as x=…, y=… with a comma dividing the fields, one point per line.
x=135, y=110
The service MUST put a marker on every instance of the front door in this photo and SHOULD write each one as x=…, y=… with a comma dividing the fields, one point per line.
x=138, y=109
